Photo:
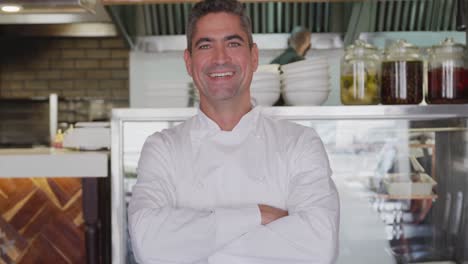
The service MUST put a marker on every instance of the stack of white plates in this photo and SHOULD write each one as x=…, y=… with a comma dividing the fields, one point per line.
x=168, y=94
x=306, y=82
x=266, y=86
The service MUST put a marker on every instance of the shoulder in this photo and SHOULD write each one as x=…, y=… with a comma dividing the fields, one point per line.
x=286, y=136
x=285, y=128
x=169, y=137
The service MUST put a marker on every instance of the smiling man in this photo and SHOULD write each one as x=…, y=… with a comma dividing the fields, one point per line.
x=232, y=185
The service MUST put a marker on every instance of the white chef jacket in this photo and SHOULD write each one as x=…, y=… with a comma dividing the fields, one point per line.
x=198, y=189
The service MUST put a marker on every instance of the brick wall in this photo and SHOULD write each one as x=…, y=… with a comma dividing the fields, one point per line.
x=70, y=67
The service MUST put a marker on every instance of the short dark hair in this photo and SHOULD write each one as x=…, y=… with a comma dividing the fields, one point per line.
x=206, y=7
x=299, y=35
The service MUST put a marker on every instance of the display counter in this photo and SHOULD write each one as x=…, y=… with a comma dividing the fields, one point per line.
x=383, y=220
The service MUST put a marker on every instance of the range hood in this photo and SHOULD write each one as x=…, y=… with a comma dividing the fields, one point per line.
x=60, y=18
x=144, y=18
x=55, y=12
x=51, y=6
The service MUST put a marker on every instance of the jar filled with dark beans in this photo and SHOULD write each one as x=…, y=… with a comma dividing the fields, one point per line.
x=402, y=74
x=447, y=77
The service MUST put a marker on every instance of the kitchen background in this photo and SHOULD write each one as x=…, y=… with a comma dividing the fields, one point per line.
x=113, y=58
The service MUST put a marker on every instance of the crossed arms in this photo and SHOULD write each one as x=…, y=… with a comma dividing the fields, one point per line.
x=306, y=233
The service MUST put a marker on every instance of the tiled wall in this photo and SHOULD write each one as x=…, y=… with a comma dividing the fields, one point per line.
x=70, y=67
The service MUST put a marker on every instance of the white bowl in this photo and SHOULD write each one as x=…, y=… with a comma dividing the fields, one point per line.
x=305, y=88
x=262, y=89
x=273, y=86
x=266, y=82
x=305, y=82
x=265, y=98
x=265, y=76
x=305, y=97
x=306, y=69
x=305, y=64
x=315, y=74
x=272, y=68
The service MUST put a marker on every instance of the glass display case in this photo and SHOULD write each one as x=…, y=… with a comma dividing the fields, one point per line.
x=400, y=171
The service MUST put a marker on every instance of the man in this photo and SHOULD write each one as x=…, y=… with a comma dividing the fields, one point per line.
x=298, y=45
x=231, y=185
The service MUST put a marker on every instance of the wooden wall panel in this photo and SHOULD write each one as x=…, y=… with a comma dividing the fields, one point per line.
x=41, y=221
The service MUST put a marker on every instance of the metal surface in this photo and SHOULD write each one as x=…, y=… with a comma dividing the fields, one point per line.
x=53, y=116
x=352, y=17
x=54, y=6
x=118, y=219
x=61, y=30
x=57, y=16
x=413, y=112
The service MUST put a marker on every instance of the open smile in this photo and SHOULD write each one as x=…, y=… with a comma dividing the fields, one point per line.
x=221, y=75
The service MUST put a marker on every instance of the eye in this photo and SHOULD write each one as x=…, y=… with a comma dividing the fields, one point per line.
x=234, y=44
x=204, y=46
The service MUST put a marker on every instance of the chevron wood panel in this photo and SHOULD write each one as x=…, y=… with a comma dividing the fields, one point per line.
x=41, y=221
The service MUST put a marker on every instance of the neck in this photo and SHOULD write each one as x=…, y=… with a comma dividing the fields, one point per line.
x=228, y=114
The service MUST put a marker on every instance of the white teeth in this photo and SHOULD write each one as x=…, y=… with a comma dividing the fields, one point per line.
x=221, y=74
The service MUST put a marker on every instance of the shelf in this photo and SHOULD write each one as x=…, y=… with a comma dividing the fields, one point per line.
x=138, y=2
x=432, y=197
x=404, y=112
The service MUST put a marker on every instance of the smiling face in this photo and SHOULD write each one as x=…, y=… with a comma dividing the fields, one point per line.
x=222, y=61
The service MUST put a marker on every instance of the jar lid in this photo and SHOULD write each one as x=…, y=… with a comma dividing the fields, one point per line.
x=449, y=46
x=360, y=45
x=360, y=49
x=401, y=50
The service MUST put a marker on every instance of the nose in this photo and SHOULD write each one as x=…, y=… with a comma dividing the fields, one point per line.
x=221, y=55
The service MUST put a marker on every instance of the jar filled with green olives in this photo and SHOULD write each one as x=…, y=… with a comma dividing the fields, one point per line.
x=402, y=74
x=360, y=74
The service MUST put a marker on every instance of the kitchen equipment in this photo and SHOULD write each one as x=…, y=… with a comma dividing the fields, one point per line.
x=360, y=75
x=306, y=82
x=408, y=185
x=448, y=75
x=402, y=74
x=306, y=97
x=265, y=88
x=88, y=136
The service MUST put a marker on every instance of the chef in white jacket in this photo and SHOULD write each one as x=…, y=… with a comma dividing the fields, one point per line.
x=232, y=185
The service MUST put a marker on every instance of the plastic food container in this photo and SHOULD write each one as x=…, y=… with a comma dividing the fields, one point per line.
x=418, y=184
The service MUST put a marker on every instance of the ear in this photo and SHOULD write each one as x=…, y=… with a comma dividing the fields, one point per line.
x=188, y=61
x=254, y=52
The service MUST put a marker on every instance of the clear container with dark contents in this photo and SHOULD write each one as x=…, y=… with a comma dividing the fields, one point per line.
x=360, y=75
x=402, y=74
x=448, y=75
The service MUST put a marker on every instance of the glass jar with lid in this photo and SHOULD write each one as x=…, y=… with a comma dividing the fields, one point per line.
x=448, y=76
x=402, y=74
x=360, y=71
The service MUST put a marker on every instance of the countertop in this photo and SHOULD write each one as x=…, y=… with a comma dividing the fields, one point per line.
x=51, y=162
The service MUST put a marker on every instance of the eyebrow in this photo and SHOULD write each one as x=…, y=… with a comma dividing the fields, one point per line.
x=227, y=38
x=235, y=36
x=201, y=40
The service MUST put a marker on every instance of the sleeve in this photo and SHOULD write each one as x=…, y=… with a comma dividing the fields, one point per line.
x=162, y=233
x=309, y=234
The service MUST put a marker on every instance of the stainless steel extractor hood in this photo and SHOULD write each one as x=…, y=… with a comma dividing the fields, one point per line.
x=48, y=6
x=54, y=12
x=65, y=18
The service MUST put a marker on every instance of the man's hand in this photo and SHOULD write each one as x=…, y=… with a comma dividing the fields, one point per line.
x=270, y=213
